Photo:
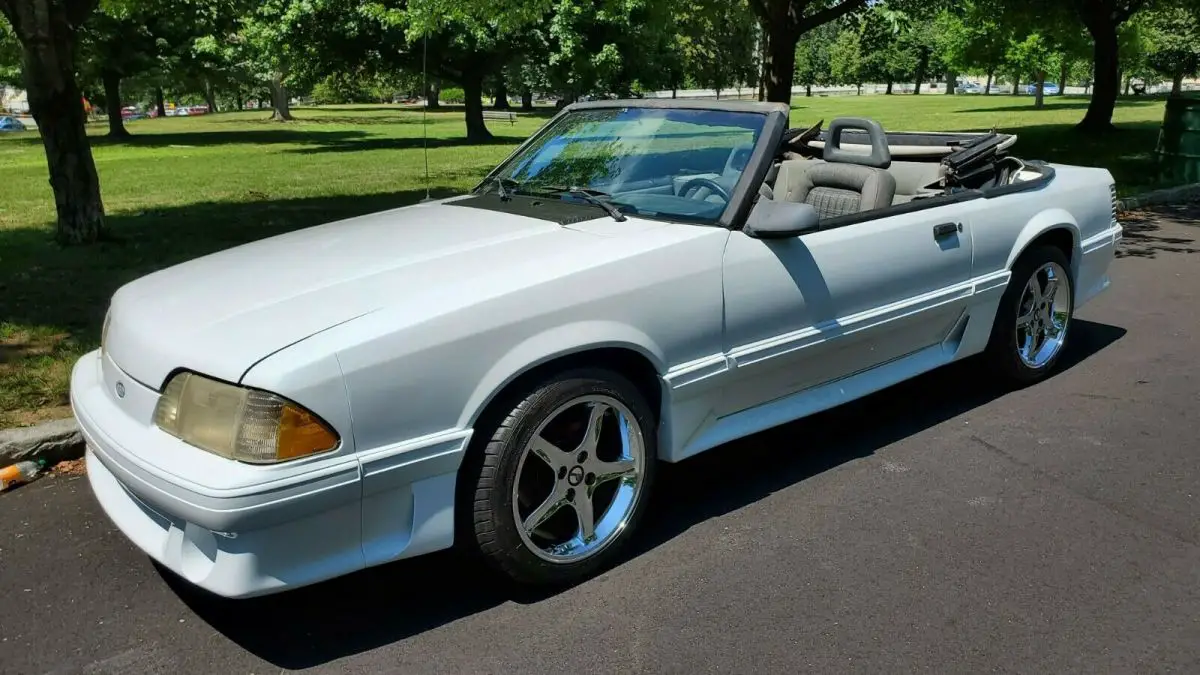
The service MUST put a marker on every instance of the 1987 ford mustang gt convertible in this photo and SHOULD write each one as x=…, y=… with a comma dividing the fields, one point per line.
x=640, y=281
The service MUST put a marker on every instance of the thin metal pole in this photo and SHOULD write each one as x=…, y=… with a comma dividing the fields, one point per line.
x=425, y=108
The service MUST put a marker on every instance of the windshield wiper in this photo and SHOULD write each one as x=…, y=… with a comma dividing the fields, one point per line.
x=597, y=197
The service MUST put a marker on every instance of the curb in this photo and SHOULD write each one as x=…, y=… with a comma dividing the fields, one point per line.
x=53, y=442
x=1165, y=196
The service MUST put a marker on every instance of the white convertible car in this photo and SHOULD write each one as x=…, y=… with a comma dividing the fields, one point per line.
x=640, y=281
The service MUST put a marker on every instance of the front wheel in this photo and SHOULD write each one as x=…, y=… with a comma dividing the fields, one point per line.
x=564, y=478
x=1034, y=317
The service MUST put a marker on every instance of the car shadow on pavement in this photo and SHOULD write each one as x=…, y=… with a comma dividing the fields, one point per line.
x=311, y=626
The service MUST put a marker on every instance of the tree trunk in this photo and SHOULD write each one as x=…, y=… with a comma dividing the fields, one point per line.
x=210, y=97
x=859, y=87
x=922, y=67
x=1177, y=85
x=281, y=108
x=1064, y=71
x=112, y=104
x=500, y=95
x=673, y=92
x=1107, y=73
x=472, y=84
x=951, y=82
x=1016, y=84
x=808, y=90
x=987, y=88
x=159, y=103
x=527, y=100
x=240, y=101
x=888, y=91
x=48, y=63
x=780, y=64
x=432, y=93
x=1127, y=81
x=1039, y=101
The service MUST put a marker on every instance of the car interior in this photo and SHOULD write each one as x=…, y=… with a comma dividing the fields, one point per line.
x=851, y=168
x=855, y=167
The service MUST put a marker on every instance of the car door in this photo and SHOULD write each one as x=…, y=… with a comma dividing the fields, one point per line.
x=806, y=310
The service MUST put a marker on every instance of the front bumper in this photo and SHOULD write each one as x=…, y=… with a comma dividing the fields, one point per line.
x=238, y=530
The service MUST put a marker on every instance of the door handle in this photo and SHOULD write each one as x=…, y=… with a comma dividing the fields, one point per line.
x=946, y=230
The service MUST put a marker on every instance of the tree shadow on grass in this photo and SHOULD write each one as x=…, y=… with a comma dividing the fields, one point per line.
x=383, y=605
x=43, y=284
x=1061, y=103
x=1128, y=152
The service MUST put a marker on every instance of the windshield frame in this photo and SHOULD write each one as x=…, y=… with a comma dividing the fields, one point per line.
x=734, y=215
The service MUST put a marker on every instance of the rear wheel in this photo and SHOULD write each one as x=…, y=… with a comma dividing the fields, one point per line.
x=1034, y=318
x=563, y=479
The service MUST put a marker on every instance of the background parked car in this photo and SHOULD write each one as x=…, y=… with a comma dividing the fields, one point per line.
x=969, y=88
x=1048, y=88
x=10, y=123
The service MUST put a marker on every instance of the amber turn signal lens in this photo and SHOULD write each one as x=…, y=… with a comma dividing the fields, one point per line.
x=301, y=434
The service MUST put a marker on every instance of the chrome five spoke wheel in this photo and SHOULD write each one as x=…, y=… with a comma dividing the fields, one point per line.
x=1042, y=315
x=579, y=479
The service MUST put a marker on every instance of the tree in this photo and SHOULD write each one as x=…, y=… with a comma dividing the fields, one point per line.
x=812, y=57
x=784, y=22
x=985, y=40
x=47, y=31
x=1103, y=19
x=10, y=57
x=116, y=43
x=846, y=58
x=717, y=43
x=886, y=57
x=1031, y=58
x=1173, y=44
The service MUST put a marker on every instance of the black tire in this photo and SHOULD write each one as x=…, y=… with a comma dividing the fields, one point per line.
x=1002, y=353
x=491, y=469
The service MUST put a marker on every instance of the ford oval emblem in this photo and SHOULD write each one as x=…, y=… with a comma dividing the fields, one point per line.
x=120, y=390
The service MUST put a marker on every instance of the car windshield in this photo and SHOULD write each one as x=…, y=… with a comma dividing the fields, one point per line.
x=678, y=164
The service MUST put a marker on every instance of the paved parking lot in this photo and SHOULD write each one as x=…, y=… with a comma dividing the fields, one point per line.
x=936, y=526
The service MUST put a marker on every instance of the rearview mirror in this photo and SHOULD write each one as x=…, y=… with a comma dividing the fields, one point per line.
x=779, y=220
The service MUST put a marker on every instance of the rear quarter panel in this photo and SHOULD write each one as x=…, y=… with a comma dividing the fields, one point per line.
x=1078, y=200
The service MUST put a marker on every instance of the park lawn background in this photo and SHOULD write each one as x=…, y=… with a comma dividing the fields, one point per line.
x=184, y=187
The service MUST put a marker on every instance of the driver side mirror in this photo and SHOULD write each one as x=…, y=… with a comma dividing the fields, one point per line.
x=780, y=220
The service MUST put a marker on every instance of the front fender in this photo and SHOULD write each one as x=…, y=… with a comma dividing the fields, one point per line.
x=554, y=343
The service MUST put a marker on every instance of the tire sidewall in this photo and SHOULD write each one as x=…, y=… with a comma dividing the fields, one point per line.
x=1003, y=347
x=515, y=556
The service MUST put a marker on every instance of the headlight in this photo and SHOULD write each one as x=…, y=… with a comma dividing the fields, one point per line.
x=248, y=425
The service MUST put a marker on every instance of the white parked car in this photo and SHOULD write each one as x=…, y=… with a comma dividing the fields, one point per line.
x=640, y=281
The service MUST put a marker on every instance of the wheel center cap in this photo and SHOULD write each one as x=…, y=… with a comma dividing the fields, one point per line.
x=575, y=475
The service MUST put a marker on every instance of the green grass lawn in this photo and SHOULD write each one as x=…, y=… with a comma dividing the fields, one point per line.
x=183, y=187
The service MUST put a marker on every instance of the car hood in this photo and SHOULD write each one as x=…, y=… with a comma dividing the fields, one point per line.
x=222, y=313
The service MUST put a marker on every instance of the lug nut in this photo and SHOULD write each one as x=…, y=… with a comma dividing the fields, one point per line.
x=582, y=457
x=590, y=478
x=570, y=493
x=562, y=472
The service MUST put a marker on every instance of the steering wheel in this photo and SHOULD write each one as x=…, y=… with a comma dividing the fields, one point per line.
x=712, y=185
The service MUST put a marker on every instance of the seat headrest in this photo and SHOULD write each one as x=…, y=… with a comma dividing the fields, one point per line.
x=880, y=156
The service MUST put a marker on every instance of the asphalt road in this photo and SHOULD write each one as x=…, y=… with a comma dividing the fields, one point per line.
x=936, y=526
